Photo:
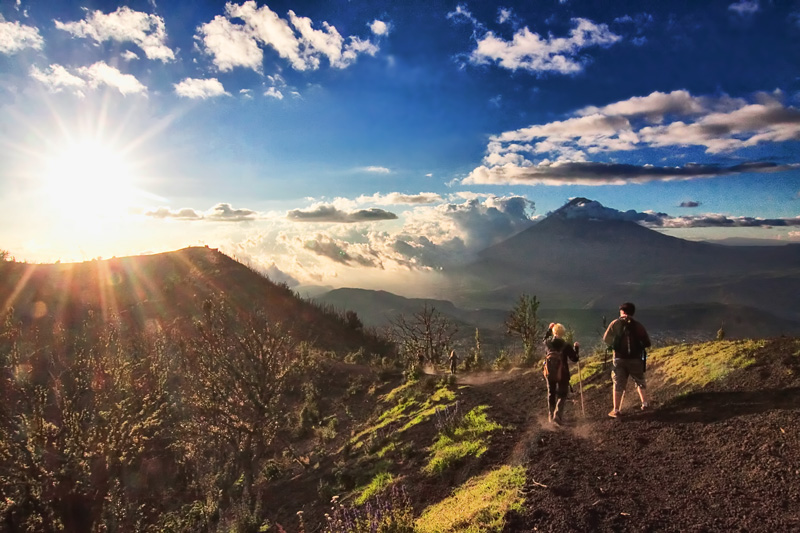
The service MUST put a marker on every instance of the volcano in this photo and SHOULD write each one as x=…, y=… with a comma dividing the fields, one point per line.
x=585, y=255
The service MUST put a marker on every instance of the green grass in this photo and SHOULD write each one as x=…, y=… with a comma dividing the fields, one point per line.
x=478, y=506
x=378, y=484
x=469, y=438
x=590, y=367
x=696, y=365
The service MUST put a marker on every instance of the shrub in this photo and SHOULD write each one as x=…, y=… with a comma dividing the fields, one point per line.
x=387, y=513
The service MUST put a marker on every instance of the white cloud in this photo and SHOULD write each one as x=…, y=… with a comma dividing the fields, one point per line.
x=231, y=45
x=328, y=213
x=528, y=51
x=378, y=27
x=147, y=31
x=222, y=212
x=559, y=151
x=56, y=78
x=102, y=74
x=200, y=88
x=15, y=37
x=745, y=7
x=128, y=55
x=300, y=43
x=377, y=170
x=274, y=93
x=226, y=213
x=396, y=198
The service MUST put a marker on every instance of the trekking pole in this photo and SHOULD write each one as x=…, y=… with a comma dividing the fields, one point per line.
x=580, y=382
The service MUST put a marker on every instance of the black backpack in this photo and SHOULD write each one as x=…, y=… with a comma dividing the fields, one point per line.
x=628, y=345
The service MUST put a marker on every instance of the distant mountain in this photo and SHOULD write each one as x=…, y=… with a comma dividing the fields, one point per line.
x=378, y=308
x=580, y=262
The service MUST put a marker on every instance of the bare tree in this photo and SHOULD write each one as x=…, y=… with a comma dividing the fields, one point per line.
x=426, y=332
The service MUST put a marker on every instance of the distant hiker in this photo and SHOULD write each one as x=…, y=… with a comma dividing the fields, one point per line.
x=556, y=370
x=453, y=360
x=421, y=359
x=629, y=340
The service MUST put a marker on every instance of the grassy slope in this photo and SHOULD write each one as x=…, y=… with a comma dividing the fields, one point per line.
x=477, y=496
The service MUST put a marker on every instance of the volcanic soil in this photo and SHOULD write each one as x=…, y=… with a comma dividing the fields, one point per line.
x=723, y=458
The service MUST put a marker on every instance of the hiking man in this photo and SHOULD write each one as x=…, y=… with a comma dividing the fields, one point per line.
x=629, y=340
x=556, y=370
x=453, y=360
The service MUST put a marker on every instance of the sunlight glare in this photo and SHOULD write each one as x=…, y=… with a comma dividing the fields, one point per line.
x=90, y=180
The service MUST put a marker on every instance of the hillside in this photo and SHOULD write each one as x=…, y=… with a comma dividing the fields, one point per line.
x=719, y=451
x=166, y=289
x=132, y=403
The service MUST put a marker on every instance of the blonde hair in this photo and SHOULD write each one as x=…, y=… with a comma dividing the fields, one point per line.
x=559, y=330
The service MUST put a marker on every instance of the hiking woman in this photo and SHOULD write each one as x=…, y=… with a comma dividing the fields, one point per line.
x=556, y=370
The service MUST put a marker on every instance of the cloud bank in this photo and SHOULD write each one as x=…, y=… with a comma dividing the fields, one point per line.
x=559, y=152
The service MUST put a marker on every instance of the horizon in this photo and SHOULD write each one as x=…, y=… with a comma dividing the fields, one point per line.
x=373, y=145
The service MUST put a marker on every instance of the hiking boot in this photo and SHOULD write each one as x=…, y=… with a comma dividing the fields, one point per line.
x=614, y=413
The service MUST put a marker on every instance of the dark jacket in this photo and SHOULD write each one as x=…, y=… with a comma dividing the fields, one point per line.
x=615, y=330
x=558, y=351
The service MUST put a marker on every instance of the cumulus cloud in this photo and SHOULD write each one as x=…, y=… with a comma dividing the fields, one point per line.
x=396, y=198
x=15, y=37
x=378, y=27
x=559, y=152
x=745, y=7
x=222, y=212
x=233, y=44
x=329, y=213
x=147, y=31
x=432, y=237
x=57, y=78
x=272, y=92
x=530, y=52
x=128, y=55
x=689, y=203
x=102, y=74
x=226, y=213
x=197, y=88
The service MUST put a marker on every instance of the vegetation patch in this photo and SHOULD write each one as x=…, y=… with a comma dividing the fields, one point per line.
x=480, y=505
x=378, y=484
x=696, y=365
x=469, y=438
x=590, y=367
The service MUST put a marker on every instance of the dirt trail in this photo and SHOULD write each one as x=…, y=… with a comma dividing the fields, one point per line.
x=726, y=458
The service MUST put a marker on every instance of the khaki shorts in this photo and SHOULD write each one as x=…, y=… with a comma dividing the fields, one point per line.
x=628, y=367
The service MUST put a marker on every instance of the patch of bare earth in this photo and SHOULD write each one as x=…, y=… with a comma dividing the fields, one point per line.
x=725, y=458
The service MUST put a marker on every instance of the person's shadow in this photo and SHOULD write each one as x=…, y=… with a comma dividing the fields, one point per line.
x=715, y=406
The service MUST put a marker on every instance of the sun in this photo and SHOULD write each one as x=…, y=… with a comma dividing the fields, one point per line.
x=89, y=180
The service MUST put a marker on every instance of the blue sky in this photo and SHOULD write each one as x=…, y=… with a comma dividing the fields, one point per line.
x=351, y=143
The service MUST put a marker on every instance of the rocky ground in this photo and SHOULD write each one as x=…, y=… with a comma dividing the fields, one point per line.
x=725, y=458
x=722, y=458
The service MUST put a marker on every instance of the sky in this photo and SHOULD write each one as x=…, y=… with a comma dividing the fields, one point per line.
x=343, y=143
